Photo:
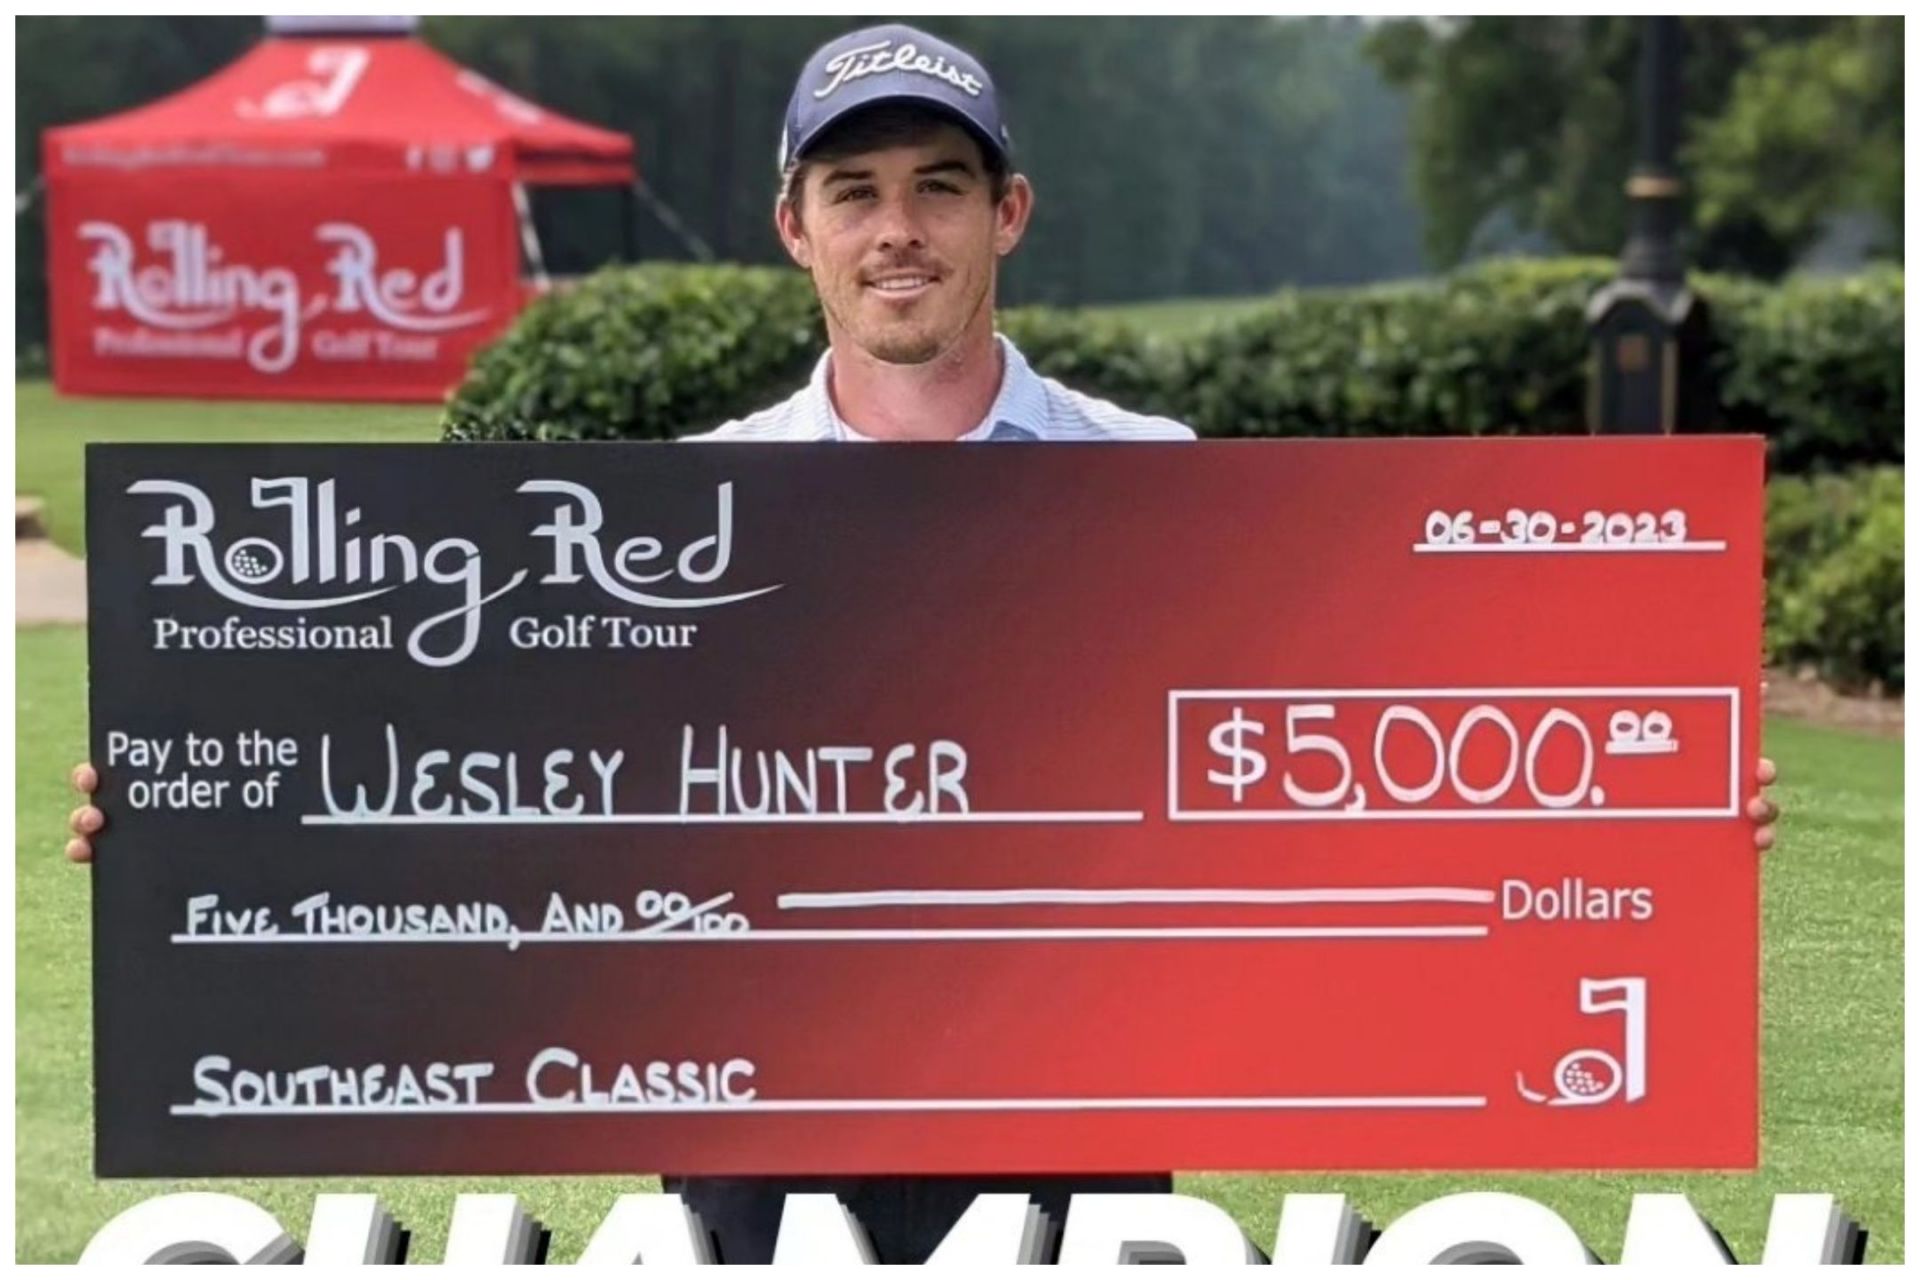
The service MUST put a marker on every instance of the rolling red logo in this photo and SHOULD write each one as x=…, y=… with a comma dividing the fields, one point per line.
x=178, y=280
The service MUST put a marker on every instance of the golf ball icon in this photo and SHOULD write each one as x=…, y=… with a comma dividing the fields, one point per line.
x=254, y=561
x=1587, y=1076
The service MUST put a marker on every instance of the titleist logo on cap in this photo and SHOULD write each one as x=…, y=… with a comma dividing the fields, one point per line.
x=873, y=59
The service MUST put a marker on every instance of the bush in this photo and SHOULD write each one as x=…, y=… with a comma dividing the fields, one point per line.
x=1100, y=356
x=645, y=353
x=1836, y=575
x=1818, y=366
x=1500, y=348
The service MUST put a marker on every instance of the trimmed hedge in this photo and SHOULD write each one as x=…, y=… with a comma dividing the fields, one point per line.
x=661, y=350
x=1836, y=575
x=1097, y=354
x=643, y=353
x=1497, y=350
x=1817, y=365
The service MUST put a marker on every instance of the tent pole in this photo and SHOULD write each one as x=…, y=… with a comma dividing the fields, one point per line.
x=671, y=221
x=530, y=238
x=629, y=231
x=25, y=200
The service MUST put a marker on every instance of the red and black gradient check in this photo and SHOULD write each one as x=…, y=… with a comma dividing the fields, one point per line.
x=1323, y=805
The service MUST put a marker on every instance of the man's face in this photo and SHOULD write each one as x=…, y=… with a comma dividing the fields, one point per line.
x=903, y=242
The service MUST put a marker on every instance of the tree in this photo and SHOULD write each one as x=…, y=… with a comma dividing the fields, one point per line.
x=1808, y=128
x=1530, y=121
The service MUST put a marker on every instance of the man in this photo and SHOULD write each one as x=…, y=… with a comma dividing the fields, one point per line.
x=899, y=198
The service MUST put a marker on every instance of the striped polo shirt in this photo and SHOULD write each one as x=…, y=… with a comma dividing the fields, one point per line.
x=1029, y=407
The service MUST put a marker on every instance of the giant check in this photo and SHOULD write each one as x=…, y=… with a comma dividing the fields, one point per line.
x=757, y=809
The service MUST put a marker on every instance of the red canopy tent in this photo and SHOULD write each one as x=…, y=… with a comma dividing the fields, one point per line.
x=327, y=218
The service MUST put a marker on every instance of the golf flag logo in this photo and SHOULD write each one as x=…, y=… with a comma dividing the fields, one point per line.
x=1589, y=1077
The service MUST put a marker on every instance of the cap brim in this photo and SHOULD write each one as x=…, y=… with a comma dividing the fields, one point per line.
x=854, y=107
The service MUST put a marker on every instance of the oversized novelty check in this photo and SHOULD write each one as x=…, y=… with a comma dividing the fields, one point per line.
x=759, y=809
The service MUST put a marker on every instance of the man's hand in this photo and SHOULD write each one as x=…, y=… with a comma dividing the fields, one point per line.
x=86, y=821
x=1760, y=809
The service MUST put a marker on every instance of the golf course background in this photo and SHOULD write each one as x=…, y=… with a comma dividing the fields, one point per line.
x=1832, y=1001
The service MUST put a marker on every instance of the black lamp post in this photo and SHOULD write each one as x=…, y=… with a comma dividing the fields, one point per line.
x=1648, y=329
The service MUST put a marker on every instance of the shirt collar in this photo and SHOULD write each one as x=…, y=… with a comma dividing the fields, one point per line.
x=1018, y=412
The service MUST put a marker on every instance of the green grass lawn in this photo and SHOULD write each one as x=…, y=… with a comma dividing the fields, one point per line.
x=50, y=432
x=1832, y=999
